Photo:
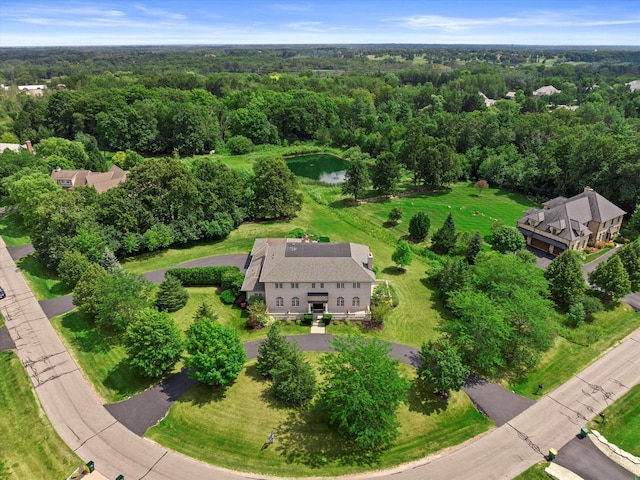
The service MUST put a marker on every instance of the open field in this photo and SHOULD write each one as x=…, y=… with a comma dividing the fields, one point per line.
x=29, y=446
x=566, y=358
x=622, y=422
x=228, y=427
x=14, y=233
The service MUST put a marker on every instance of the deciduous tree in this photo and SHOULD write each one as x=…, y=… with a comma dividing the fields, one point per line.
x=356, y=180
x=153, y=343
x=386, y=173
x=611, y=278
x=507, y=239
x=395, y=215
x=443, y=365
x=275, y=190
x=630, y=258
x=84, y=293
x=402, y=256
x=362, y=390
x=72, y=266
x=566, y=282
x=215, y=353
x=473, y=248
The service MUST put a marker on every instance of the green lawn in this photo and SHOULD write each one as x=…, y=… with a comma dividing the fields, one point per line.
x=567, y=358
x=29, y=446
x=13, y=231
x=622, y=422
x=534, y=473
x=102, y=361
x=228, y=427
x=43, y=282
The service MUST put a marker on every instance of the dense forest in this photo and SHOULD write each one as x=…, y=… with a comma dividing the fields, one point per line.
x=427, y=110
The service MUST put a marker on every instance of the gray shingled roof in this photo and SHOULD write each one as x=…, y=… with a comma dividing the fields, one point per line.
x=290, y=260
x=571, y=215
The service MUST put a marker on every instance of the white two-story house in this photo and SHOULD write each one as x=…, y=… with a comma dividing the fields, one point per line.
x=297, y=276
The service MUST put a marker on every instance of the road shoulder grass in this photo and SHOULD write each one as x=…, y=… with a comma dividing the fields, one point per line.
x=13, y=231
x=29, y=446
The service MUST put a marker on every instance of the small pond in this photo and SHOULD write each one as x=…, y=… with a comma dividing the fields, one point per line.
x=323, y=167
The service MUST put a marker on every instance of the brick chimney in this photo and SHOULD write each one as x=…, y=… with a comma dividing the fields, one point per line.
x=29, y=147
x=588, y=189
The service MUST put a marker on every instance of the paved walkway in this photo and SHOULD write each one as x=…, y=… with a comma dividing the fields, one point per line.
x=92, y=432
x=582, y=457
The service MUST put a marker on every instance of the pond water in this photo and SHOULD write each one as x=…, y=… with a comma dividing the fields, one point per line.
x=325, y=168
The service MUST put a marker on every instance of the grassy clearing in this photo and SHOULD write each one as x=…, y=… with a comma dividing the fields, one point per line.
x=229, y=427
x=29, y=446
x=567, y=358
x=534, y=473
x=102, y=361
x=13, y=231
x=43, y=282
x=622, y=422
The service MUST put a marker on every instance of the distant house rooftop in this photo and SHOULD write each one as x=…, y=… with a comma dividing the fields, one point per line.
x=101, y=181
x=634, y=85
x=546, y=90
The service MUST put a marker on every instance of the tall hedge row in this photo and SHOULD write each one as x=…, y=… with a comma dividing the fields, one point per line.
x=229, y=278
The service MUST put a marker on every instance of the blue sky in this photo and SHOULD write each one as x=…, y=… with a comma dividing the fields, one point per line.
x=220, y=22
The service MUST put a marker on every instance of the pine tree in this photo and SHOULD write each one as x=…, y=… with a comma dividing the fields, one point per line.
x=270, y=351
x=419, y=226
x=110, y=262
x=205, y=311
x=172, y=296
x=474, y=248
x=445, y=238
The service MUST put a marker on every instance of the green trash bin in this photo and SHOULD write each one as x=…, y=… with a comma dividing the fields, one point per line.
x=90, y=466
x=552, y=454
x=584, y=431
x=120, y=477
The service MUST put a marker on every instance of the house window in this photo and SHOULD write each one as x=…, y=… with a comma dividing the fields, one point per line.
x=279, y=302
x=294, y=284
x=321, y=285
x=313, y=285
x=295, y=302
x=356, y=284
x=355, y=302
x=278, y=285
x=340, y=302
x=340, y=285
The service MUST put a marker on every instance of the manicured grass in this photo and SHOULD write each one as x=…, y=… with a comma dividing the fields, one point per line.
x=229, y=427
x=326, y=213
x=230, y=315
x=534, y=473
x=13, y=231
x=102, y=361
x=29, y=446
x=566, y=358
x=592, y=256
x=43, y=282
x=622, y=422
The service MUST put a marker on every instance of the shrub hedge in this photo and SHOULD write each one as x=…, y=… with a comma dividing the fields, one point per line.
x=226, y=277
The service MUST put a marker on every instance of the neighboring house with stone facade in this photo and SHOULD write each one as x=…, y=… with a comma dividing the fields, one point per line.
x=571, y=223
x=297, y=276
x=101, y=181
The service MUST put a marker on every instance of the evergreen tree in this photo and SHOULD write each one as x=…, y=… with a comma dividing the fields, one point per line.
x=356, y=180
x=402, y=256
x=611, y=278
x=271, y=350
x=395, y=215
x=205, y=311
x=566, y=283
x=110, y=262
x=294, y=380
x=419, y=226
x=473, y=248
x=445, y=238
x=171, y=296
x=455, y=275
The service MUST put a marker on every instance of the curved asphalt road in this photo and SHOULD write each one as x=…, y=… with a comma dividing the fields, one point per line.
x=88, y=428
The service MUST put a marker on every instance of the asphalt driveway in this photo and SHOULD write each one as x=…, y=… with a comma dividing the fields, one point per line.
x=583, y=458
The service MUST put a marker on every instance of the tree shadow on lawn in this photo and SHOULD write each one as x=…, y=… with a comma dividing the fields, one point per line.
x=85, y=334
x=436, y=302
x=304, y=438
x=266, y=396
x=393, y=270
x=422, y=399
x=31, y=265
x=123, y=380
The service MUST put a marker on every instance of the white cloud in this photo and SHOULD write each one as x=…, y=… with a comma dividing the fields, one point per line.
x=292, y=7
